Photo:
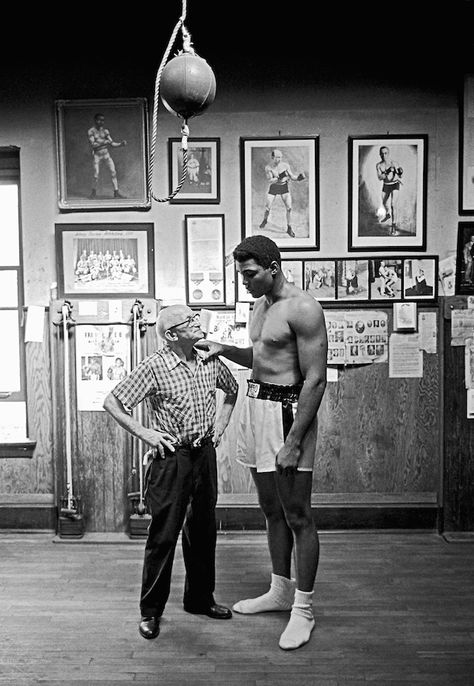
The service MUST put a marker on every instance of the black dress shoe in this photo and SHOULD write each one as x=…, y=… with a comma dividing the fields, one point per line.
x=213, y=611
x=149, y=627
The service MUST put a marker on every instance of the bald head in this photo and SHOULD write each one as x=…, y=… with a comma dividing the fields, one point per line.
x=171, y=315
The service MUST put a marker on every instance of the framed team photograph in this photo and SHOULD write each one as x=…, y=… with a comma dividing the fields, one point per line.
x=280, y=190
x=387, y=192
x=320, y=279
x=202, y=179
x=102, y=154
x=420, y=278
x=105, y=260
x=466, y=145
x=464, y=282
x=385, y=278
x=204, y=259
x=352, y=278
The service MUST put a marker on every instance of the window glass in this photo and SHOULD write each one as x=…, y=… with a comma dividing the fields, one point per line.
x=10, y=358
x=9, y=230
x=12, y=422
x=8, y=288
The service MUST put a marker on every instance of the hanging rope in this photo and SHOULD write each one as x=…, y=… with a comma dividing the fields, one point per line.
x=184, y=127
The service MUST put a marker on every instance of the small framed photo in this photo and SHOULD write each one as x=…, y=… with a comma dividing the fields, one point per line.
x=202, y=181
x=387, y=192
x=280, y=190
x=320, y=279
x=205, y=272
x=465, y=259
x=385, y=278
x=466, y=146
x=102, y=154
x=404, y=317
x=105, y=260
x=293, y=271
x=420, y=278
x=352, y=278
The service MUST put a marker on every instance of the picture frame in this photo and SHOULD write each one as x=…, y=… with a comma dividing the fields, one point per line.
x=205, y=260
x=420, y=278
x=202, y=183
x=464, y=279
x=405, y=317
x=466, y=145
x=293, y=271
x=352, y=279
x=102, y=154
x=105, y=260
x=275, y=171
x=387, y=192
x=320, y=279
x=385, y=279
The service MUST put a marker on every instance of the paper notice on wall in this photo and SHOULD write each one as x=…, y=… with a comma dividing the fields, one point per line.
x=427, y=329
x=462, y=326
x=332, y=374
x=470, y=403
x=356, y=337
x=34, y=328
x=469, y=363
x=405, y=356
x=103, y=358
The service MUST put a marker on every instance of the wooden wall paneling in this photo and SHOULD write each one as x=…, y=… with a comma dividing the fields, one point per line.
x=458, y=488
x=379, y=439
x=35, y=475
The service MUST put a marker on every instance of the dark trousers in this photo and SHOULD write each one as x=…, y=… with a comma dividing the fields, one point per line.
x=181, y=494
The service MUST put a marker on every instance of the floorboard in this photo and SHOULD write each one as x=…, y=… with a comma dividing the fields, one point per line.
x=390, y=608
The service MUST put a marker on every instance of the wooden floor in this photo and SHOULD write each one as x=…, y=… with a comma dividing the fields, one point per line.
x=390, y=609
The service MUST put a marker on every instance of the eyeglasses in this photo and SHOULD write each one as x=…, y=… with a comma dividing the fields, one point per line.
x=188, y=321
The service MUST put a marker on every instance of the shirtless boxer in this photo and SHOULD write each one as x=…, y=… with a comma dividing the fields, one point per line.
x=390, y=173
x=279, y=174
x=101, y=141
x=278, y=431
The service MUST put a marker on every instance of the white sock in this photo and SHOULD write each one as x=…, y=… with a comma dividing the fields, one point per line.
x=301, y=622
x=279, y=597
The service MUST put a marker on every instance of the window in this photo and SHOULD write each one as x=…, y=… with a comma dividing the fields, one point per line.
x=13, y=424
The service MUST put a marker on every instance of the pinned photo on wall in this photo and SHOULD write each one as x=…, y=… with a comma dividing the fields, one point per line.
x=420, y=278
x=320, y=279
x=293, y=271
x=385, y=278
x=202, y=180
x=352, y=279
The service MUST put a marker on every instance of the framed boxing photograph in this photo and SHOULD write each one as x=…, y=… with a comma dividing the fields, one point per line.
x=102, y=154
x=280, y=190
x=204, y=260
x=420, y=278
x=387, y=192
x=466, y=145
x=464, y=281
x=201, y=183
x=320, y=279
x=352, y=279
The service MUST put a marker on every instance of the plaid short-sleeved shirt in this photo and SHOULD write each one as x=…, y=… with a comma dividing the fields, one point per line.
x=180, y=401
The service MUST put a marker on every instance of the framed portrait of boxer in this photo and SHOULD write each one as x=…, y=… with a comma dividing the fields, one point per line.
x=280, y=190
x=102, y=154
x=387, y=192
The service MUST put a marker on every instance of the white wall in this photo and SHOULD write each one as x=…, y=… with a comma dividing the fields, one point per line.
x=332, y=112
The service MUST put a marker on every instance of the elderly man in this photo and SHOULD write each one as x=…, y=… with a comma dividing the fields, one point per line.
x=179, y=387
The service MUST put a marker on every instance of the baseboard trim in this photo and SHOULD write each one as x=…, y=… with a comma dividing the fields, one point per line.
x=333, y=518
